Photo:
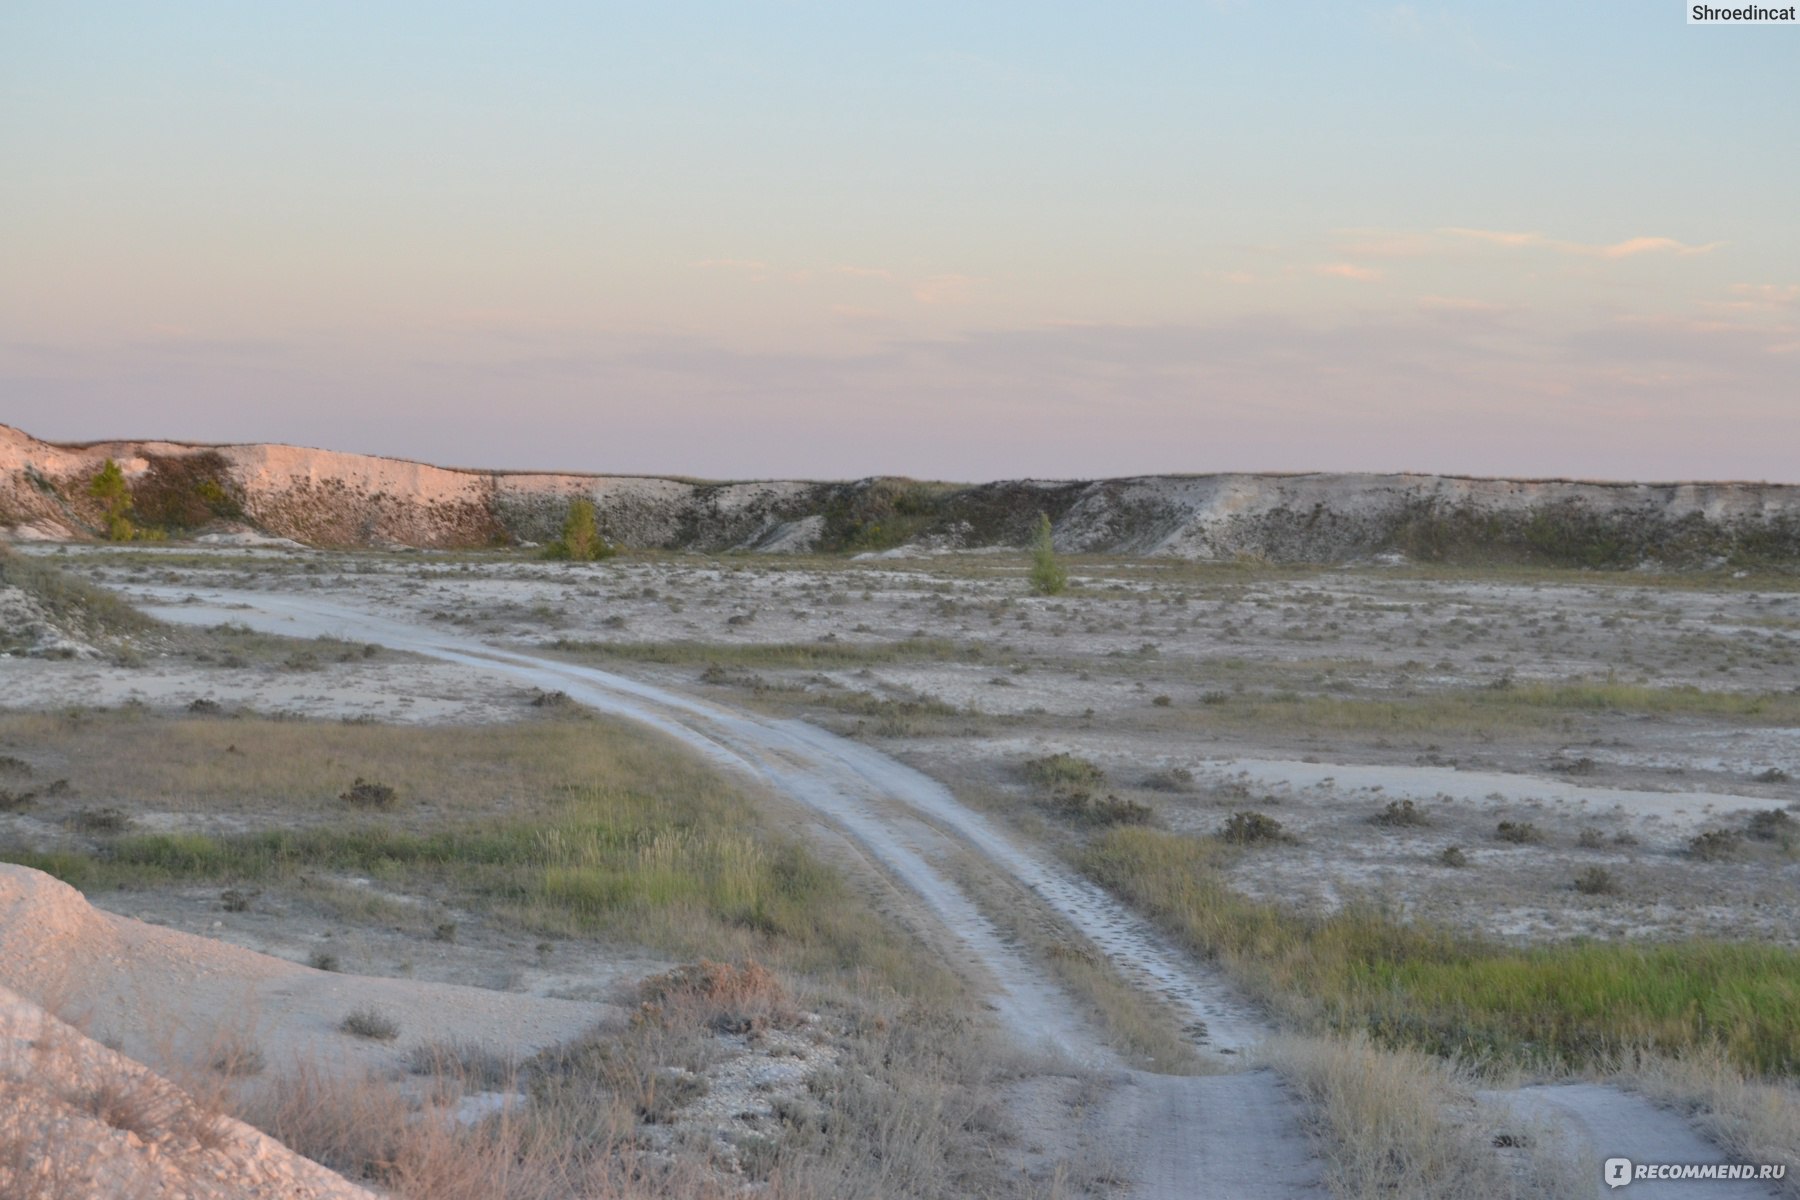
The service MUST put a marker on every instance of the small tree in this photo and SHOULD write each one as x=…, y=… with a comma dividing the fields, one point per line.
x=1047, y=575
x=109, y=487
x=581, y=540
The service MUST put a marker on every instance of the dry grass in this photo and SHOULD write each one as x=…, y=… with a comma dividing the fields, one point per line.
x=1754, y=1121
x=1402, y=1125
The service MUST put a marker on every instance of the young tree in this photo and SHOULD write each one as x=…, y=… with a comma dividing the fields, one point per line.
x=1047, y=575
x=581, y=540
x=109, y=487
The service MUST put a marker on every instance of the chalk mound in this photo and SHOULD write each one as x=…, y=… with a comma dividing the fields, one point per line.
x=82, y=1120
x=172, y=999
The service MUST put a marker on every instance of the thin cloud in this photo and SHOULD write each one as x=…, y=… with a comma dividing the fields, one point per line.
x=944, y=289
x=1629, y=248
x=730, y=264
x=863, y=272
x=1351, y=271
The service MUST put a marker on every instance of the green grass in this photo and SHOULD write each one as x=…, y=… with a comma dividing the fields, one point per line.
x=560, y=826
x=1558, y=1005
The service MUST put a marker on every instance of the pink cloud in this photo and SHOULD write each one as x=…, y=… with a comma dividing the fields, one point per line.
x=1629, y=248
x=1344, y=270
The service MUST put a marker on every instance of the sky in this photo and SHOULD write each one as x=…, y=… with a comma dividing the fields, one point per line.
x=958, y=241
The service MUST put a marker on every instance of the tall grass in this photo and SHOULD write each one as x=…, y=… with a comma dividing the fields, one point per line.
x=1413, y=985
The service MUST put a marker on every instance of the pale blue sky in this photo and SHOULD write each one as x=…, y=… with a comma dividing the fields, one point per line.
x=961, y=241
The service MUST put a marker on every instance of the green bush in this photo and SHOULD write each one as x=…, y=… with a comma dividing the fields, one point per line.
x=109, y=487
x=1048, y=578
x=581, y=540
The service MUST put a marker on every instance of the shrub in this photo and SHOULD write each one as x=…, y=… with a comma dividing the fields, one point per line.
x=1772, y=825
x=100, y=821
x=237, y=899
x=366, y=794
x=1596, y=881
x=719, y=996
x=1520, y=833
x=1174, y=779
x=1084, y=806
x=1716, y=845
x=370, y=1023
x=1064, y=771
x=1048, y=578
x=322, y=960
x=1401, y=813
x=1591, y=839
x=1253, y=828
x=109, y=487
x=1453, y=856
x=580, y=540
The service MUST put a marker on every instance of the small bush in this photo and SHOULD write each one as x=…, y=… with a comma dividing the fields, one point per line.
x=1253, y=829
x=1064, y=771
x=1520, y=833
x=1453, y=856
x=1401, y=813
x=11, y=801
x=204, y=707
x=557, y=699
x=323, y=960
x=102, y=821
x=1772, y=825
x=445, y=932
x=238, y=1057
x=367, y=794
x=1591, y=839
x=1161, y=701
x=718, y=996
x=1173, y=779
x=370, y=1023
x=1773, y=775
x=1596, y=881
x=237, y=900
x=1716, y=845
x=471, y=1063
x=1084, y=806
